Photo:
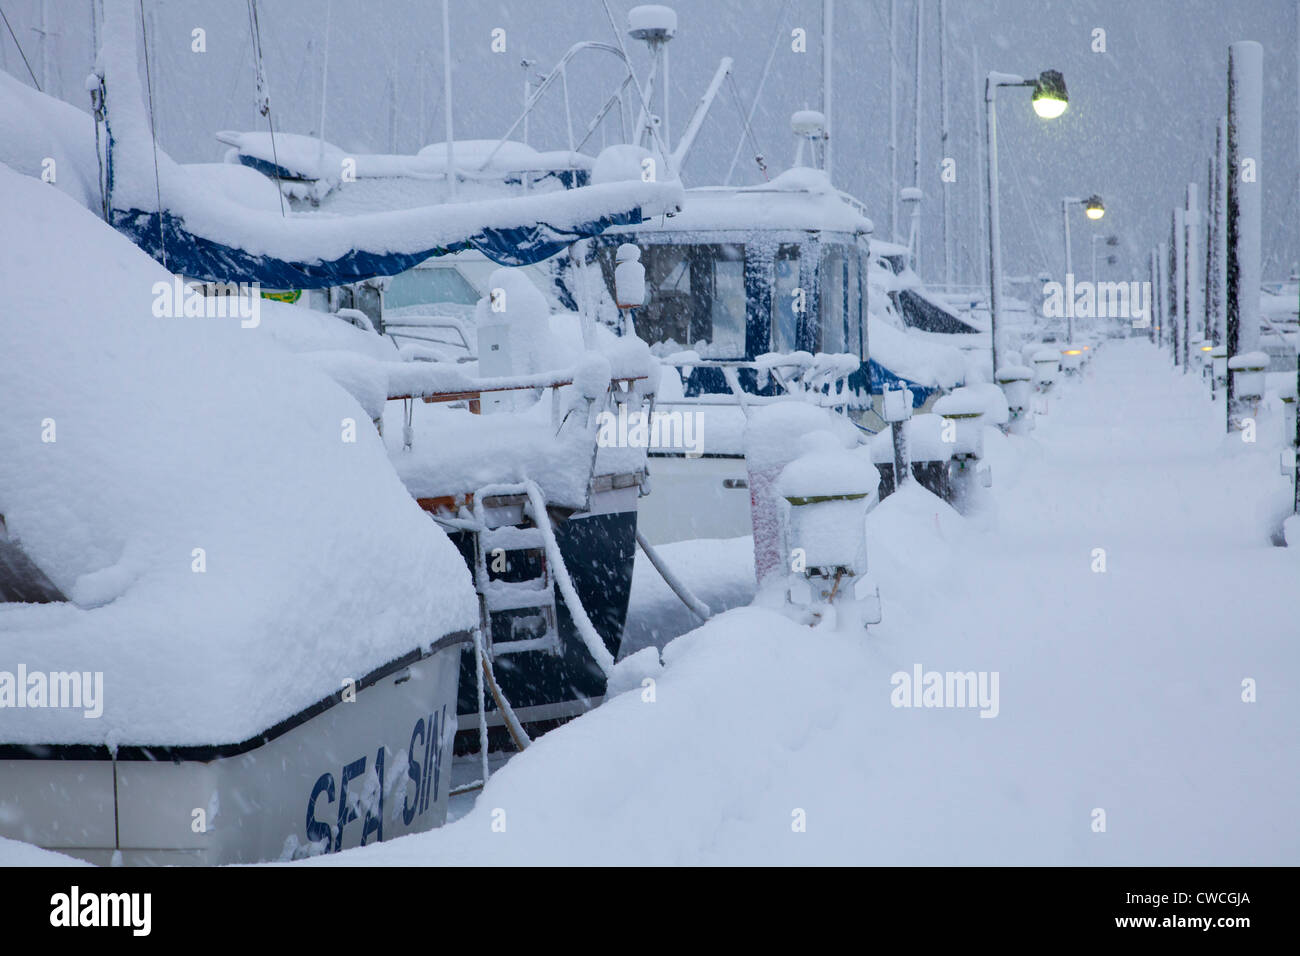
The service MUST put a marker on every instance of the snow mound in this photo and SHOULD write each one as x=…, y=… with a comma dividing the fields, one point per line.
x=619, y=163
x=17, y=853
x=37, y=130
x=913, y=357
x=230, y=555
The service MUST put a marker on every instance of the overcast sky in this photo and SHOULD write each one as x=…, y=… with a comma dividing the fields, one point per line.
x=1140, y=124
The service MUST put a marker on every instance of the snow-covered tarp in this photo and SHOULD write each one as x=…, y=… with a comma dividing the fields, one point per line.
x=229, y=554
x=293, y=155
x=167, y=211
x=798, y=199
x=901, y=360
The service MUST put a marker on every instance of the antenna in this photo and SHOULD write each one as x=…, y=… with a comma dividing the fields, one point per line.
x=809, y=127
x=655, y=24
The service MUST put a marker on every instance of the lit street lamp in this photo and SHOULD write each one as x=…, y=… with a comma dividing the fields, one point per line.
x=1094, y=209
x=1049, y=101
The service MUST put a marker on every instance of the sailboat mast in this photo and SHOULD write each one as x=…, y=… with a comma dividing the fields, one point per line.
x=977, y=90
x=943, y=139
x=324, y=89
x=446, y=96
x=893, y=120
x=916, y=157
x=828, y=26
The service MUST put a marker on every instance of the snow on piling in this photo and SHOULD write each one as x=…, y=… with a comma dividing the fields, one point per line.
x=772, y=441
x=829, y=489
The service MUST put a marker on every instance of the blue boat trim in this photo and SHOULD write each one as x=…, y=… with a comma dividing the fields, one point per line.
x=207, y=752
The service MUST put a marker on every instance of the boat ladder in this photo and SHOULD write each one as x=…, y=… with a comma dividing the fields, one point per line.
x=502, y=554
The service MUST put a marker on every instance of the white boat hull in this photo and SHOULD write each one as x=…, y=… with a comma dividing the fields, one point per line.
x=341, y=774
x=695, y=498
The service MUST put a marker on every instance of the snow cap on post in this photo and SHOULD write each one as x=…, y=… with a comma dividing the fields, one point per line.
x=629, y=277
x=772, y=436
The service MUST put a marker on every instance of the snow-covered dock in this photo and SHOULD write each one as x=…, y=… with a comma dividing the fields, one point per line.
x=1122, y=695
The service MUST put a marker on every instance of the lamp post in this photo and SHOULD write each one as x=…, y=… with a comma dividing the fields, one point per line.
x=1049, y=102
x=1094, y=209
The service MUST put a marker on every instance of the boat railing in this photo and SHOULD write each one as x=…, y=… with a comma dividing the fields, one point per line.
x=445, y=386
x=560, y=72
x=820, y=379
x=438, y=386
x=420, y=329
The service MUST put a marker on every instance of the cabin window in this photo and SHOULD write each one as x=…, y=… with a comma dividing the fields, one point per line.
x=728, y=305
x=440, y=285
x=856, y=306
x=672, y=286
x=695, y=297
x=786, y=294
x=833, y=300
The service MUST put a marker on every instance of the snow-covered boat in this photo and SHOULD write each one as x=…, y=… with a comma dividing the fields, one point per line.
x=495, y=338
x=194, y=668
x=284, y=714
x=760, y=294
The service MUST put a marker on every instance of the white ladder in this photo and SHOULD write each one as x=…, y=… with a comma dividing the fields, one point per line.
x=493, y=543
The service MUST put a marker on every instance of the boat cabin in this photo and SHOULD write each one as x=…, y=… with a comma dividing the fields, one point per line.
x=742, y=272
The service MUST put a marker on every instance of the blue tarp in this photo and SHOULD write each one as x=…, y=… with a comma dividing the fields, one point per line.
x=197, y=257
x=882, y=378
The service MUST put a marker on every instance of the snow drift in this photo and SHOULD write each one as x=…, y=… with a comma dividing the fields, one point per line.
x=230, y=557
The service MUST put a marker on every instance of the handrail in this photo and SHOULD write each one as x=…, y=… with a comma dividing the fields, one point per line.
x=521, y=383
x=556, y=71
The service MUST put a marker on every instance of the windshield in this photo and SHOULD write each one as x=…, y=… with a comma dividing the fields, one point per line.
x=429, y=286
x=695, y=297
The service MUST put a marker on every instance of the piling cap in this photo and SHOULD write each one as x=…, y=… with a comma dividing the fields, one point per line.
x=959, y=405
x=829, y=474
x=983, y=400
x=1249, y=362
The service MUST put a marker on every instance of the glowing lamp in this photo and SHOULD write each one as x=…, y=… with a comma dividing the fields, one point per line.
x=1050, y=99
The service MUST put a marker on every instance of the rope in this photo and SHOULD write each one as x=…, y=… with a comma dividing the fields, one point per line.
x=767, y=67
x=758, y=153
x=153, y=135
x=517, y=732
x=645, y=103
x=693, y=604
x=591, y=638
x=263, y=97
x=20, y=52
x=479, y=671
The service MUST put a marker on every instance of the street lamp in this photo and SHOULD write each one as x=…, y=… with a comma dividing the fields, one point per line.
x=1049, y=94
x=1094, y=209
x=1049, y=102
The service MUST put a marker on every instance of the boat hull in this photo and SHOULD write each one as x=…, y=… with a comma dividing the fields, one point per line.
x=692, y=498
x=548, y=687
x=286, y=794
